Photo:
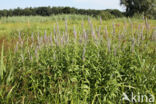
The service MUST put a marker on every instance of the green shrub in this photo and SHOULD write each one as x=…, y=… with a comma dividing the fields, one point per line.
x=116, y=13
x=106, y=15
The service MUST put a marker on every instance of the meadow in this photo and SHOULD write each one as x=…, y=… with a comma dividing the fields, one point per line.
x=76, y=59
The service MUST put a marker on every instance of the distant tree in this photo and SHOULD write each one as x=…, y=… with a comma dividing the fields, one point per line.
x=138, y=6
x=10, y=12
x=115, y=12
x=4, y=13
x=68, y=10
x=27, y=12
x=18, y=12
x=55, y=10
x=43, y=11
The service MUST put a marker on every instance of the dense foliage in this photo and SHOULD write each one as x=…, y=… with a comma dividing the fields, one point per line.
x=83, y=61
x=145, y=7
x=47, y=11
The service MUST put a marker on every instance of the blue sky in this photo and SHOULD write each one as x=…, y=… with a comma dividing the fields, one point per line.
x=84, y=4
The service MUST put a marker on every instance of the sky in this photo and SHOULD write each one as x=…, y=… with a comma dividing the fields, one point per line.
x=80, y=4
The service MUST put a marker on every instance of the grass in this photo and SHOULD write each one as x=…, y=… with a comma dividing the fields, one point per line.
x=76, y=61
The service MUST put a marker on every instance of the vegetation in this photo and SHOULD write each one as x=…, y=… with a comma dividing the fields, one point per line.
x=73, y=60
x=47, y=11
x=134, y=8
x=145, y=7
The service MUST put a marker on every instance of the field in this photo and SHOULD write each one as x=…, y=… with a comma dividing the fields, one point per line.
x=76, y=59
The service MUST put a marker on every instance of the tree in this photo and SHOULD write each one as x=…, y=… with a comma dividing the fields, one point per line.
x=43, y=11
x=145, y=7
x=115, y=12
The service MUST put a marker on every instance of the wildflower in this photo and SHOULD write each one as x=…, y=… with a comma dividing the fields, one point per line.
x=109, y=45
x=84, y=51
x=45, y=36
x=56, y=40
x=75, y=34
x=80, y=38
x=85, y=34
x=32, y=37
x=36, y=53
x=113, y=29
x=51, y=41
x=20, y=36
x=106, y=33
x=17, y=44
x=133, y=45
x=93, y=32
x=99, y=36
x=66, y=26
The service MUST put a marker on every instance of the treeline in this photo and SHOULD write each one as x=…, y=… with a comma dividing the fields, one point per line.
x=47, y=11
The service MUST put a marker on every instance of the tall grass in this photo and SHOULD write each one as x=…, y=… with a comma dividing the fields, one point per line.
x=16, y=19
